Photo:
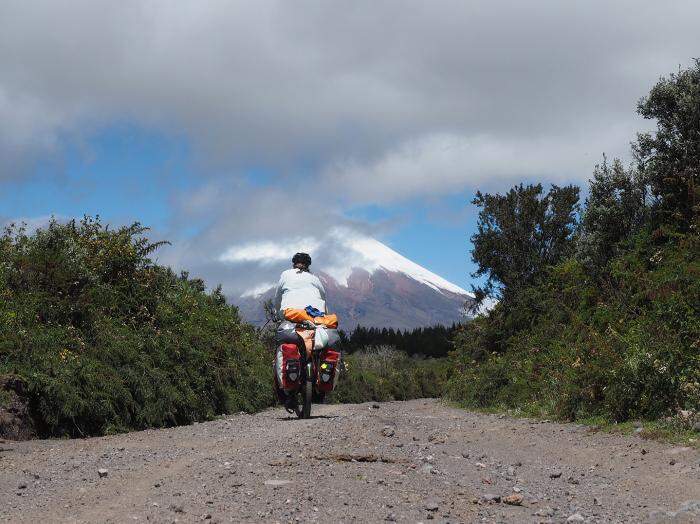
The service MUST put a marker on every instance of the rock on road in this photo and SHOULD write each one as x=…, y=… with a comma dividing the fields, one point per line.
x=413, y=461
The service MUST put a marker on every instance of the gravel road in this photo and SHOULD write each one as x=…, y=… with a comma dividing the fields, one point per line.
x=411, y=461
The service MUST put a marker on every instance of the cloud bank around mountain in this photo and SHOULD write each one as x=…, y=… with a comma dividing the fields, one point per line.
x=342, y=104
x=353, y=89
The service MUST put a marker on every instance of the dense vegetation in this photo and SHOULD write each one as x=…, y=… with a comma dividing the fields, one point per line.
x=101, y=339
x=598, y=309
x=382, y=373
x=599, y=304
x=432, y=342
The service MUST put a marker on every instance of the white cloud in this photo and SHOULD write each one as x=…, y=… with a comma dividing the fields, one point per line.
x=289, y=84
x=335, y=251
x=444, y=163
x=346, y=103
x=269, y=252
x=258, y=290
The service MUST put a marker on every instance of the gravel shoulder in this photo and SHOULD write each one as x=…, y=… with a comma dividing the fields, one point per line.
x=399, y=461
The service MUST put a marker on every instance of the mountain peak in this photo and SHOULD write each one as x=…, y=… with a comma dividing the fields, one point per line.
x=360, y=252
x=378, y=255
x=375, y=286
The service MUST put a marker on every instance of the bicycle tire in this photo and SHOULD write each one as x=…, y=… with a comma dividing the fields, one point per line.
x=308, y=392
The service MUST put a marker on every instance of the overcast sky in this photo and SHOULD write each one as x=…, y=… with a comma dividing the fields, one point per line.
x=223, y=123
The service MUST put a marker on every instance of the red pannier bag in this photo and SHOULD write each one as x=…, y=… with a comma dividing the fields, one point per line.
x=288, y=366
x=328, y=370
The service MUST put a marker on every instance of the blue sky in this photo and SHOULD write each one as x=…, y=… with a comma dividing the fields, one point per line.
x=122, y=174
x=127, y=174
x=226, y=124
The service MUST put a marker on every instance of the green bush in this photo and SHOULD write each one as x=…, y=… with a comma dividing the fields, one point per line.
x=106, y=340
x=383, y=373
x=610, y=326
x=625, y=348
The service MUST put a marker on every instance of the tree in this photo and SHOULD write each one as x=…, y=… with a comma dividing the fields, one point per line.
x=669, y=159
x=520, y=233
x=614, y=210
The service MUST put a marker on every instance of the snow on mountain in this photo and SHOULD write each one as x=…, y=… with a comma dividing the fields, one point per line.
x=379, y=255
x=367, y=283
x=358, y=251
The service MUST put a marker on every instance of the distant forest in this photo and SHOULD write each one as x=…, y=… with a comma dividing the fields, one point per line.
x=432, y=342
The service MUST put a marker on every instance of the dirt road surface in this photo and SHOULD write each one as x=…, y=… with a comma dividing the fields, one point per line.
x=414, y=461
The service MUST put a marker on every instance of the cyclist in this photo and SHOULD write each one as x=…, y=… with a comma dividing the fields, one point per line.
x=299, y=289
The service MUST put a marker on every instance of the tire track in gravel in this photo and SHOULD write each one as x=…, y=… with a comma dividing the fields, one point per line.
x=401, y=461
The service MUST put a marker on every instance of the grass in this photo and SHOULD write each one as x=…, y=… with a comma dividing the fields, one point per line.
x=666, y=431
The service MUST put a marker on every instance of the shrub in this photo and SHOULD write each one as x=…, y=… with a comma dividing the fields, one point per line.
x=382, y=373
x=614, y=329
x=627, y=348
x=107, y=341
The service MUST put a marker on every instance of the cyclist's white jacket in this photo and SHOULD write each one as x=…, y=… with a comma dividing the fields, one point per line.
x=298, y=289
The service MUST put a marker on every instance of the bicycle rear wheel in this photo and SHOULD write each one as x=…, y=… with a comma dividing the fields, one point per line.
x=308, y=392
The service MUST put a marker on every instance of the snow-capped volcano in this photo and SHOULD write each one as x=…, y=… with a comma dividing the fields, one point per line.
x=367, y=282
x=379, y=256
